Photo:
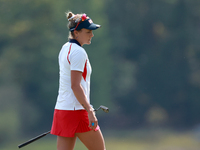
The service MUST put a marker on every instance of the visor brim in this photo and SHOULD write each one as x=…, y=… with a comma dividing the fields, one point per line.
x=93, y=26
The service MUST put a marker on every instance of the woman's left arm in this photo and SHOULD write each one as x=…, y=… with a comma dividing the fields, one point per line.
x=76, y=77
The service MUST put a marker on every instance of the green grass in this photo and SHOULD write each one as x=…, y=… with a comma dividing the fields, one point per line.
x=131, y=140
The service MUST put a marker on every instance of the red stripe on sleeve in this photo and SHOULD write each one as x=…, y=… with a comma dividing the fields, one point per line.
x=84, y=74
x=69, y=53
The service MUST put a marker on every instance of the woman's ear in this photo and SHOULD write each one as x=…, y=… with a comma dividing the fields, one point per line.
x=76, y=33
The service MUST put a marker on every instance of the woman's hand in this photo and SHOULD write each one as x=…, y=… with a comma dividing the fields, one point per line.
x=93, y=122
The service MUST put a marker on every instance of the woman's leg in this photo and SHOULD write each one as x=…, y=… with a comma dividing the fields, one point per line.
x=93, y=140
x=66, y=143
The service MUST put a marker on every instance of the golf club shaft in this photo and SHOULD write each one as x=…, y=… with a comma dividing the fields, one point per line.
x=33, y=139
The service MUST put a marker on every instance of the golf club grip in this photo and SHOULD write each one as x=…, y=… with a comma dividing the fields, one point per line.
x=33, y=139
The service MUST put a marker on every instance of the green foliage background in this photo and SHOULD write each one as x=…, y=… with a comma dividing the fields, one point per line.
x=145, y=60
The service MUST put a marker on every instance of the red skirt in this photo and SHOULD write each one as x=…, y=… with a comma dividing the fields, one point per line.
x=68, y=122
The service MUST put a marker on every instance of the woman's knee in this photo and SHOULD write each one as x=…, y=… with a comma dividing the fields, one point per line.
x=65, y=143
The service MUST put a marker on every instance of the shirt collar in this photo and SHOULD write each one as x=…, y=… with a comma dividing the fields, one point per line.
x=74, y=41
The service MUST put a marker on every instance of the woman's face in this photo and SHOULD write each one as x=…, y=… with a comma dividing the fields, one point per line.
x=84, y=36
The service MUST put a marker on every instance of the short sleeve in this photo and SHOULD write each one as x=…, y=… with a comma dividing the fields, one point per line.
x=78, y=59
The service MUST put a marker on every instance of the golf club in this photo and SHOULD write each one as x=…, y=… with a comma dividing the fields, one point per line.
x=104, y=108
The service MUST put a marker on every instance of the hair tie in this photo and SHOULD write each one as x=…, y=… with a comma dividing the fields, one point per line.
x=71, y=17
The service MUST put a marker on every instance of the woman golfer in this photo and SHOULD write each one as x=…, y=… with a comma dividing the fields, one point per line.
x=73, y=115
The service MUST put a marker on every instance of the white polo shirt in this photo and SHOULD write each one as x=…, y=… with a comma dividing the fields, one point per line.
x=72, y=57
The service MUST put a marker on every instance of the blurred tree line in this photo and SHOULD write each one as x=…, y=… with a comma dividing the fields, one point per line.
x=145, y=59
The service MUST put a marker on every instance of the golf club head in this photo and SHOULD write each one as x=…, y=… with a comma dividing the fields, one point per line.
x=104, y=108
